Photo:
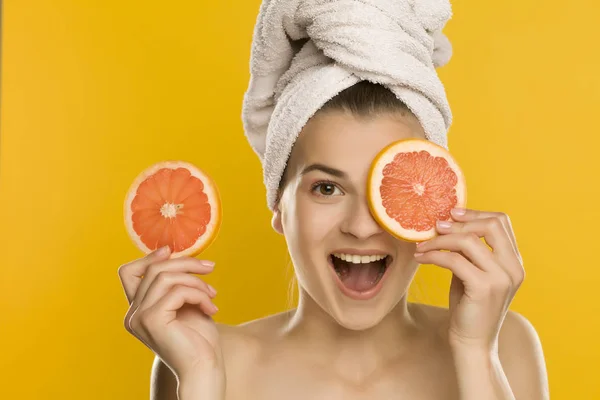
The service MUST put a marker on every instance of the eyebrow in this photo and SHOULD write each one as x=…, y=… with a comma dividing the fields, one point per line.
x=324, y=168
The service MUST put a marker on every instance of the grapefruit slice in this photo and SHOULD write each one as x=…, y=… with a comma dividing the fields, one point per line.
x=173, y=203
x=412, y=184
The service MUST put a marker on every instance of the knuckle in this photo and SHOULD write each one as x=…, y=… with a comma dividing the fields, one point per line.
x=134, y=324
x=520, y=275
x=203, y=295
x=163, y=277
x=127, y=323
x=153, y=270
x=201, y=285
x=195, y=291
x=506, y=283
x=179, y=290
x=470, y=238
x=123, y=269
x=146, y=319
x=495, y=224
x=455, y=257
x=129, y=319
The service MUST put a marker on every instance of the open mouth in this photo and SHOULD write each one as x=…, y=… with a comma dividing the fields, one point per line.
x=360, y=273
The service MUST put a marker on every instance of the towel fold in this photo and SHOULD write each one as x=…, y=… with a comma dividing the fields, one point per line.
x=304, y=52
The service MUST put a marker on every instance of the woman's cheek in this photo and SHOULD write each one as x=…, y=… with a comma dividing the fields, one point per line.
x=323, y=219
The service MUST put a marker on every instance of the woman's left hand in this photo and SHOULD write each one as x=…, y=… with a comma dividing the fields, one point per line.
x=484, y=280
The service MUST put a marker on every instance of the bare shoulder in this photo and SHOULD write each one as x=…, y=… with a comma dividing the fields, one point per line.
x=249, y=337
x=243, y=347
x=434, y=314
x=522, y=357
x=519, y=349
x=433, y=317
x=240, y=344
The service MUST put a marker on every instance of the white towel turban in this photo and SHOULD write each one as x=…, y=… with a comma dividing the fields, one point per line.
x=304, y=52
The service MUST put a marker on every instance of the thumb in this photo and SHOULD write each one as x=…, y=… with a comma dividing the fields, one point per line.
x=160, y=254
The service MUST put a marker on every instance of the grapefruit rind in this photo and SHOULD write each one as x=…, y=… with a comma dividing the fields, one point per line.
x=214, y=199
x=386, y=156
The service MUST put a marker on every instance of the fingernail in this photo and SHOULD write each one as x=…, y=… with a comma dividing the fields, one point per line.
x=458, y=211
x=422, y=243
x=444, y=224
x=215, y=308
x=213, y=291
x=418, y=254
x=208, y=263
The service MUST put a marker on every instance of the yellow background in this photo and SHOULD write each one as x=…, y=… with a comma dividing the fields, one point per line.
x=95, y=91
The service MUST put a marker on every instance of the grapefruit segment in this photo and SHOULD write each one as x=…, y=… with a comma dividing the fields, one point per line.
x=413, y=183
x=173, y=203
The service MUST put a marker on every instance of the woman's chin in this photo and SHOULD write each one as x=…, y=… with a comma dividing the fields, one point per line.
x=359, y=319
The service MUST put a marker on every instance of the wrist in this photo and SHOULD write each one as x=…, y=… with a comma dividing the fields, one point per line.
x=201, y=385
x=473, y=362
x=480, y=374
x=473, y=352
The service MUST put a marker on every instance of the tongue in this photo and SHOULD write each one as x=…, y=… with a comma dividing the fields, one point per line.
x=361, y=277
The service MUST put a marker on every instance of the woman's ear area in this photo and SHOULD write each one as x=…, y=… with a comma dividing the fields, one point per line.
x=276, y=219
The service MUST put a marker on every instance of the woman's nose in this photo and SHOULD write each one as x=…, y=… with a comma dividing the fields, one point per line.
x=359, y=221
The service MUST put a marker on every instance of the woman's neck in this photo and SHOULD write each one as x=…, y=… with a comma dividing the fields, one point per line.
x=353, y=351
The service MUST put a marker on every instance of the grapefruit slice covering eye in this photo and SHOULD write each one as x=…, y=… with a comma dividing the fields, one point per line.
x=412, y=184
x=173, y=203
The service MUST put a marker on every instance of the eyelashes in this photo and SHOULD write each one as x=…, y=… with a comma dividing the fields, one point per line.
x=331, y=189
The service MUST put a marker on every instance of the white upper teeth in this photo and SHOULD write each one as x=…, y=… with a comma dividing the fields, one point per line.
x=356, y=259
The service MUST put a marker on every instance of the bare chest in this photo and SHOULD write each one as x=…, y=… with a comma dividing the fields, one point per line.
x=428, y=380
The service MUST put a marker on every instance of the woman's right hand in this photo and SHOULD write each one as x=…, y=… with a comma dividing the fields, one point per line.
x=170, y=312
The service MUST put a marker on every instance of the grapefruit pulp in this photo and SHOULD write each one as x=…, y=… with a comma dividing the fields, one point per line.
x=173, y=203
x=412, y=184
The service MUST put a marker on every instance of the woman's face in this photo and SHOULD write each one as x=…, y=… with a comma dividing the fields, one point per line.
x=334, y=242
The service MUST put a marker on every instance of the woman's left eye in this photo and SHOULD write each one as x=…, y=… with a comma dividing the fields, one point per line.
x=326, y=189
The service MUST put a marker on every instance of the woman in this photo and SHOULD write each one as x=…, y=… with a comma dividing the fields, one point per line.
x=354, y=335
